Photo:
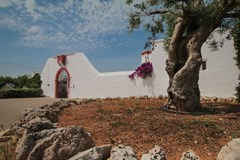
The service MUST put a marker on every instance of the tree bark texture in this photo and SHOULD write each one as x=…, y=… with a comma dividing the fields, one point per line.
x=185, y=58
x=183, y=66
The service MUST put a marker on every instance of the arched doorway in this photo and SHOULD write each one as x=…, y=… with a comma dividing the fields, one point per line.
x=62, y=83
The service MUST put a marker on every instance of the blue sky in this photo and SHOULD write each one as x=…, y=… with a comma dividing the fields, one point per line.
x=33, y=30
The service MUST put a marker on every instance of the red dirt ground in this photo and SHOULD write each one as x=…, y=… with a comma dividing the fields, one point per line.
x=141, y=124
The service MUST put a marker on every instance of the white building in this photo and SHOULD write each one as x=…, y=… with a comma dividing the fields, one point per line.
x=73, y=76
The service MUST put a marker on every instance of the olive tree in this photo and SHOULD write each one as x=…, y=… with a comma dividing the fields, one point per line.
x=187, y=24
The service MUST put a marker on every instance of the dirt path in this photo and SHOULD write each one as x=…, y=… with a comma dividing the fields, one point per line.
x=11, y=108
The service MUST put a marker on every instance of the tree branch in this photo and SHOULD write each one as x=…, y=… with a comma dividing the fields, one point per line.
x=158, y=12
x=232, y=15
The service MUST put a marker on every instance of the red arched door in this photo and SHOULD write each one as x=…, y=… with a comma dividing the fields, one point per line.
x=62, y=83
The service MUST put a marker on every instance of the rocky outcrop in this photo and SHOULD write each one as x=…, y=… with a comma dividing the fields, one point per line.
x=189, y=155
x=96, y=153
x=230, y=150
x=40, y=118
x=53, y=144
x=39, y=137
x=38, y=124
x=122, y=152
x=156, y=153
x=219, y=99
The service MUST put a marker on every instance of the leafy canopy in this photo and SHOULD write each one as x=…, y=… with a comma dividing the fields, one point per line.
x=159, y=16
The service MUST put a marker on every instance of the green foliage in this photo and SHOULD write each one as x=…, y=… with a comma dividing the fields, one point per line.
x=159, y=16
x=134, y=20
x=21, y=93
x=35, y=81
x=6, y=80
x=23, y=81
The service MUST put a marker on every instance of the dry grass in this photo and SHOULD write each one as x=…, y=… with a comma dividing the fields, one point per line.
x=7, y=147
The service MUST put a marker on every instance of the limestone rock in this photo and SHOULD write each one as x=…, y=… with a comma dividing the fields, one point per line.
x=231, y=99
x=230, y=150
x=96, y=153
x=39, y=118
x=24, y=146
x=34, y=113
x=155, y=153
x=53, y=144
x=41, y=139
x=38, y=124
x=46, y=111
x=122, y=152
x=189, y=155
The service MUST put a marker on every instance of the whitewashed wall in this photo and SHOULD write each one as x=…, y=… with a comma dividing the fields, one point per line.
x=219, y=79
x=87, y=82
x=221, y=76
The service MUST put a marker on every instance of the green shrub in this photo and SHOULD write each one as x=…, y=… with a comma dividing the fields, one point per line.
x=21, y=93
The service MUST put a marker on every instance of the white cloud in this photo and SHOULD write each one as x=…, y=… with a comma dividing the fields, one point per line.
x=5, y=3
x=9, y=3
x=30, y=7
x=73, y=24
x=34, y=29
x=11, y=22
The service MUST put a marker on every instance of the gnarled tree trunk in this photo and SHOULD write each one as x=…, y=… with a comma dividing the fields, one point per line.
x=183, y=66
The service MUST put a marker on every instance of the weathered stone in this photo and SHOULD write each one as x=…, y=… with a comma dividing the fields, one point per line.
x=221, y=100
x=122, y=152
x=56, y=104
x=160, y=97
x=231, y=99
x=41, y=140
x=38, y=124
x=73, y=102
x=32, y=113
x=189, y=155
x=46, y=112
x=214, y=99
x=63, y=105
x=230, y=151
x=35, y=124
x=155, y=153
x=206, y=98
x=96, y=153
x=53, y=144
x=24, y=146
x=44, y=106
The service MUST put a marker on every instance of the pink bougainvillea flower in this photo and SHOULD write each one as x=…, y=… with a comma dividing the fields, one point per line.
x=143, y=71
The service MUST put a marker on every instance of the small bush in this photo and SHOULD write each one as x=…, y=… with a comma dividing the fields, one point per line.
x=21, y=93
